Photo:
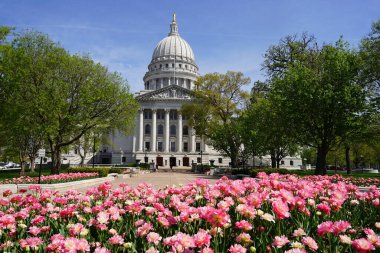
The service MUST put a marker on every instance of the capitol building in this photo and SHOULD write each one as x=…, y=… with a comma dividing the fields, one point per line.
x=162, y=134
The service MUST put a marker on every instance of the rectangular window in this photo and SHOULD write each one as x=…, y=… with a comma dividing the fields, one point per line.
x=160, y=114
x=147, y=146
x=159, y=146
x=185, y=147
x=282, y=162
x=198, y=146
x=123, y=159
x=147, y=114
x=199, y=160
x=173, y=115
x=291, y=163
x=220, y=160
x=172, y=146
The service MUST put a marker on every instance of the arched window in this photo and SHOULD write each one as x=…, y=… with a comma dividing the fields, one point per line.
x=185, y=130
x=160, y=129
x=173, y=131
x=147, y=129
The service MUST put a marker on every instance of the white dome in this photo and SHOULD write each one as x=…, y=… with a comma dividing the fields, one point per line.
x=173, y=45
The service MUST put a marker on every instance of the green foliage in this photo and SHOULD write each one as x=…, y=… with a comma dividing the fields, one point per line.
x=253, y=172
x=214, y=113
x=265, y=131
x=144, y=166
x=134, y=164
x=59, y=95
x=103, y=172
x=370, y=52
x=116, y=170
x=321, y=99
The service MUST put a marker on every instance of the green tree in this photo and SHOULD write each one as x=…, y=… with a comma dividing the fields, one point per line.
x=61, y=95
x=320, y=98
x=271, y=131
x=370, y=52
x=290, y=50
x=214, y=114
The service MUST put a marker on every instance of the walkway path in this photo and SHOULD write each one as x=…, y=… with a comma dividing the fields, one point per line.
x=159, y=179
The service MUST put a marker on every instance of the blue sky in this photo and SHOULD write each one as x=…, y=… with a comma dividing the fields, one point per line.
x=224, y=35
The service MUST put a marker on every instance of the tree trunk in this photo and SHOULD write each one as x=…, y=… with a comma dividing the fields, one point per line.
x=233, y=158
x=278, y=163
x=32, y=163
x=348, y=163
x=22, y=162
x=22, y=172
x=82, y=158
x=273, y=161
x=56, y=160
x=321, y=161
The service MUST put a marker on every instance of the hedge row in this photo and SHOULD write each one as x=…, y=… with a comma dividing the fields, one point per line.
x=253, y=172
x=103, y=172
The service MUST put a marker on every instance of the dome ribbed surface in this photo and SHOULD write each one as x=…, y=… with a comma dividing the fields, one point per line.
x=173, y=45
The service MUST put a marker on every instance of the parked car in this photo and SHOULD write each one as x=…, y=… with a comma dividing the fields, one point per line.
x=11, y=165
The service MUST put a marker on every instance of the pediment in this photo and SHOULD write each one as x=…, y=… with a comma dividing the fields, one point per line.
x=172, y=92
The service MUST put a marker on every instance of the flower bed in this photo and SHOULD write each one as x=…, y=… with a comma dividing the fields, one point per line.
x=51, y=179
x=272, y=215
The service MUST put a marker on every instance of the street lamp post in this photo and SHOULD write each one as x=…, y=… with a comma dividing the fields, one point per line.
x=145, y=157
x=121, y=156
x=201, y=153
x=361, y=162
x=93, y=154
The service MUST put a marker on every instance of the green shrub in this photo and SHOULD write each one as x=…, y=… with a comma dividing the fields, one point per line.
x=103, y=172
x=253, y=172
x=144, y=166
x=134, y=164
x=245, y=171
x=116, y=170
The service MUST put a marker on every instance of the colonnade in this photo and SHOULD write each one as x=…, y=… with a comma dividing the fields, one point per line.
x=166, y=133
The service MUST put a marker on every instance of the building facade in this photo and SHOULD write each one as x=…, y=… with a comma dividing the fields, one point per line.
x=162, y=134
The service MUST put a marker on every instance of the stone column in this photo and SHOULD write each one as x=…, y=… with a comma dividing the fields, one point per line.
x=192, y=140
x=154, y=129
x=162, y=83
x=167, y=133
x=141, y=129
x=179, y=138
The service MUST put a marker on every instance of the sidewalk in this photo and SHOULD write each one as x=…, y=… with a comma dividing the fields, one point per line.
x=159, y=179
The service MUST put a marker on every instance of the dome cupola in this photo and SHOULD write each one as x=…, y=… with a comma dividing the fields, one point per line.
x=173, y=46
x=173, y=63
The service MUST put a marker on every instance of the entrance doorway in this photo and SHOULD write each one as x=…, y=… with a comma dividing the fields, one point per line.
x=160, y=161
x=186, y=161
x=173, y=161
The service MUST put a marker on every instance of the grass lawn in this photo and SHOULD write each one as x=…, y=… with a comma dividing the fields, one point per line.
x=331, y=172
x=9, y=174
